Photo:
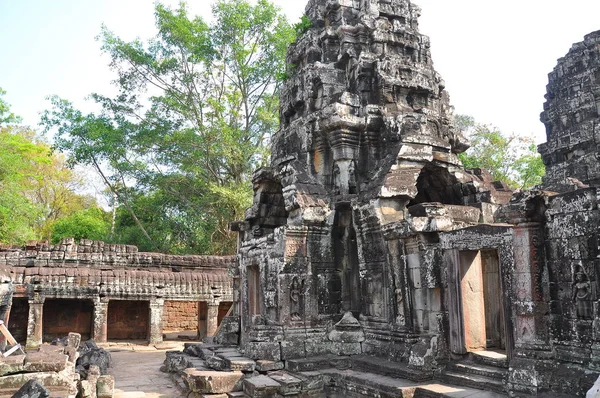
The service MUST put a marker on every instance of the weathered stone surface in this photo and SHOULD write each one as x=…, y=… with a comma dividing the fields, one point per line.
x=32, y=389
x=45, y=361
x=260, y=386
x=105, y=386
x=92, y=355
x=347, y=330
x=12, y=364
x=212, y=382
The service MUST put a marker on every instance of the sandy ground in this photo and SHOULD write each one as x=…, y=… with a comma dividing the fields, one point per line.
x=137, y=372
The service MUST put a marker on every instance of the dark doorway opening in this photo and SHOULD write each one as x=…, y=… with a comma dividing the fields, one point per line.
x=128, y=320
x=17, y=321
x=63, y=316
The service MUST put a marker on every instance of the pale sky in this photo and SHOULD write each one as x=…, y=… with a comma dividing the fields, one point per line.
x=493, y=55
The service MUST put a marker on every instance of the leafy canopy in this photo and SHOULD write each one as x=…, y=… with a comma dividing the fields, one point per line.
x=509, y=158
x=196, y=108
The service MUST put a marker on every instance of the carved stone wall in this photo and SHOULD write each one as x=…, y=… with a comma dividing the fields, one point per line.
x=572, y=116
x=123, y=290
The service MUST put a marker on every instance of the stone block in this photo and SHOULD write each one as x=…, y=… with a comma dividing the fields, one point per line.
x=290, y=385
x=32, y=389
x=270, y=351
x=73, y=340
x=268, y=366
x=216, y=363
x=105, y=386
x=13, y=364
x=212, y=382
x=292, y=349
x=260, y=386
x=86, y=390
x=45, y=361
x=240, y=363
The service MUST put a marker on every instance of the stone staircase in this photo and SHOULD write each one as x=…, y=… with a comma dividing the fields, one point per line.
x=223, y=371
x=484, y=370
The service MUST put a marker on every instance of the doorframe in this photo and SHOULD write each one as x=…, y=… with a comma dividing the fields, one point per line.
x=457, y=336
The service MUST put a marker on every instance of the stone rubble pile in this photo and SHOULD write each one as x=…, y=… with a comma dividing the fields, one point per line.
x=52, y=370
x=216, y=371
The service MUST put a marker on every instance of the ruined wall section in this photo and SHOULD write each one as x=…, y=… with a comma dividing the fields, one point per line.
x=573, y=260
x=93, y=268
x=572, y=117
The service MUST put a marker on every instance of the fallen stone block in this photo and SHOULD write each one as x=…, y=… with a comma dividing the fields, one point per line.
x=212, y=382
x=289, y=385
x=240, y=363
x=32, y=389
x=260, y=386
x=74, y=340
x=268, y=366
x=86, y=390
x=94, y=356
x=46, y=361
x=216, y=363
x=105, y=386
x=12, y=364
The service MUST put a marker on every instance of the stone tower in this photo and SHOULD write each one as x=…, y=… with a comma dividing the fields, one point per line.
x=364, y=175
x=572, y=116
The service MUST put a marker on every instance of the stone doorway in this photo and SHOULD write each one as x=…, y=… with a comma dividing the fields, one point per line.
x=63, y=316
x=478, y=314
x=17, y=321
x=128, y=320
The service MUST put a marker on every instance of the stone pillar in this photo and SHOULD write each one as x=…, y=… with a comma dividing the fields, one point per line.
x=156, y=320
x=531, y=335
x=212, y=319
x=34, y=323
x=100, y=328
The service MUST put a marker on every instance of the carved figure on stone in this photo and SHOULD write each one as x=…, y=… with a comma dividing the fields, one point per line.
x=296, y=299
x=337, y=178
x=352, y=177
x=581, y=295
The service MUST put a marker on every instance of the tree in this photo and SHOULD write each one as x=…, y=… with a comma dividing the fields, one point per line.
x=36, y=186
x=189, y=148
x=91, y=223
x=509, y=158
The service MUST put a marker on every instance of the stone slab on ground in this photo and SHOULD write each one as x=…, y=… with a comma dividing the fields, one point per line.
x=260, y=386
x=212, y=382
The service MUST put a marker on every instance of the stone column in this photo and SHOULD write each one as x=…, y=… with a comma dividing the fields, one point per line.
x=34, y=323
x=156, y=320
x=212, y=319
x=532, y=348
x=100, y=331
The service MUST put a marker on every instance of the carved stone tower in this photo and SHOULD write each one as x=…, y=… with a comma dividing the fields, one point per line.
x=364, y=175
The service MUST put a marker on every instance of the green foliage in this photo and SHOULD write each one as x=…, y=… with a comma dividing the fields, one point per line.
x=303, y=26
x=508, y=158
x=36, y=186
x=180, y=160
x=92, y=223
x=6, y=116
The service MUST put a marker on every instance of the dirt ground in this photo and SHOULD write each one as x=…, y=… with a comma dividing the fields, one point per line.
x=137, y=372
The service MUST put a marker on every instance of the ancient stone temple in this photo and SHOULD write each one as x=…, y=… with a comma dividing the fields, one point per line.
x=370, y=246
x=110, y=292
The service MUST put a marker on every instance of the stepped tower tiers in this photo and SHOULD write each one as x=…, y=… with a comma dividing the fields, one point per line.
x=572, y=117
x=364, y=176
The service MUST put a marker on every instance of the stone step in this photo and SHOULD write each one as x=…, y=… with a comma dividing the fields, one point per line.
x=474, y=368
x=449, y=391
x=389, y=368
x=471, y=380
x=317, y=363
x=490, y=358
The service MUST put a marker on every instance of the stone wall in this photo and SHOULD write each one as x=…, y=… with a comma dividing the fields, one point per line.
x=180, y=316
x=124, y=290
